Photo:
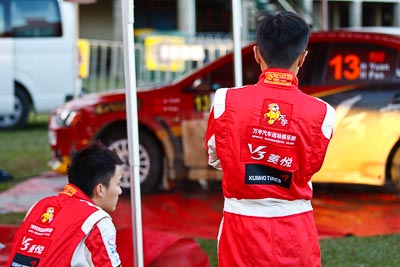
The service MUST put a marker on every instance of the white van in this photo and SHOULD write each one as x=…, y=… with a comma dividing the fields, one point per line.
x=38, y=58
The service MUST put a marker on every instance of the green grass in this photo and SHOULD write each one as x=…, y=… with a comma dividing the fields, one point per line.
x=210, y=247
x=377, y=251
x=12, y=218
x=25, y=153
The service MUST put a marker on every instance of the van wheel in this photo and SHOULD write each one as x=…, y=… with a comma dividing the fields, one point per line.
x=18, y=118
x=393, y=168
x=150, y=162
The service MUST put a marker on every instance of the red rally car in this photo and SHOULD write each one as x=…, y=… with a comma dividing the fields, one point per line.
x=358, y=73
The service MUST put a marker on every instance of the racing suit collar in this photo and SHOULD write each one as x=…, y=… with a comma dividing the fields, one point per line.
x=71, y=190
x=279, y=77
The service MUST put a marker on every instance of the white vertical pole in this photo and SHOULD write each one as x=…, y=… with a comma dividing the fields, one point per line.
x=324, y=15
x=396, y=13
x=308, y=11
x=78, y=83
x=355, y=13
x=187, y=16
x=237, y=42
x=133, y=131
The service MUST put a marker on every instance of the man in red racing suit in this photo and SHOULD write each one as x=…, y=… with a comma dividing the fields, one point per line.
x=269, y=139
x=73, y=229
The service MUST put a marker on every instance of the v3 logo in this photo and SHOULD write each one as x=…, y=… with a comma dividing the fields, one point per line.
x=258, y=152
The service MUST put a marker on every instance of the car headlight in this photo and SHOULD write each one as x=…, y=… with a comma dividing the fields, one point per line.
x=52, y=138
x=67, y=117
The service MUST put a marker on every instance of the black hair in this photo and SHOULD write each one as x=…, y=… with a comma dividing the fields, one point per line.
x=281, y=38
x=91, y=166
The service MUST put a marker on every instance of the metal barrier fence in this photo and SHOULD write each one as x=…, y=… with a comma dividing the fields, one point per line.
x=106, y=63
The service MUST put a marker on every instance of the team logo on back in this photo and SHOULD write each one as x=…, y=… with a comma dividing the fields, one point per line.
x=274, y=114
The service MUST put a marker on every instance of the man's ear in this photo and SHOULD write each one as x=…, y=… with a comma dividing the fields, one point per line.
x=259, y=59
x=257, y=54
x=302, y=58
x=99, y=190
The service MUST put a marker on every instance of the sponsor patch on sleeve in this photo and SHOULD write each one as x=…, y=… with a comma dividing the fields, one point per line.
x=264, y=175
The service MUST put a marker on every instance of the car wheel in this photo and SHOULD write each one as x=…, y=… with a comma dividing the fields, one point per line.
x=150, y=163
x=18, y=118
x=394, y=167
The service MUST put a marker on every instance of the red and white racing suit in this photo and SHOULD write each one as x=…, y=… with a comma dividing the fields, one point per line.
x=65, y=230
x=269, y=139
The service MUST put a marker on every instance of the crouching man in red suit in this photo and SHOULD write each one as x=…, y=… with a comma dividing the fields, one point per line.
x=74, y=228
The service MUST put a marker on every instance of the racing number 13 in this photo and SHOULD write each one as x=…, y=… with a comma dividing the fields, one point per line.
x=351, y=70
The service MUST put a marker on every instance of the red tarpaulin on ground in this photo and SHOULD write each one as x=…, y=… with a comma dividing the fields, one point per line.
x=160, y=249
x=356, y=213
x=174, y=213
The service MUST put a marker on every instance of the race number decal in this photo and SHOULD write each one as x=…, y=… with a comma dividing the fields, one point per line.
x=202, y=103
x=347, y=67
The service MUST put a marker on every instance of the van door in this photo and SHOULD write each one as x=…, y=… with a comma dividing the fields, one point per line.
x=6, y=60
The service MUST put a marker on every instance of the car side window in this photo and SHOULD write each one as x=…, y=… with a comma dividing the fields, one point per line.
x=4, y=19
x=313, y=67
x=359, y=62
x=35, y=18
x=225, y=76
x=251, y=69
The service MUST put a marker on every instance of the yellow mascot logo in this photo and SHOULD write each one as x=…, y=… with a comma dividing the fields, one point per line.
x=48, y=215
x=273, y=113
